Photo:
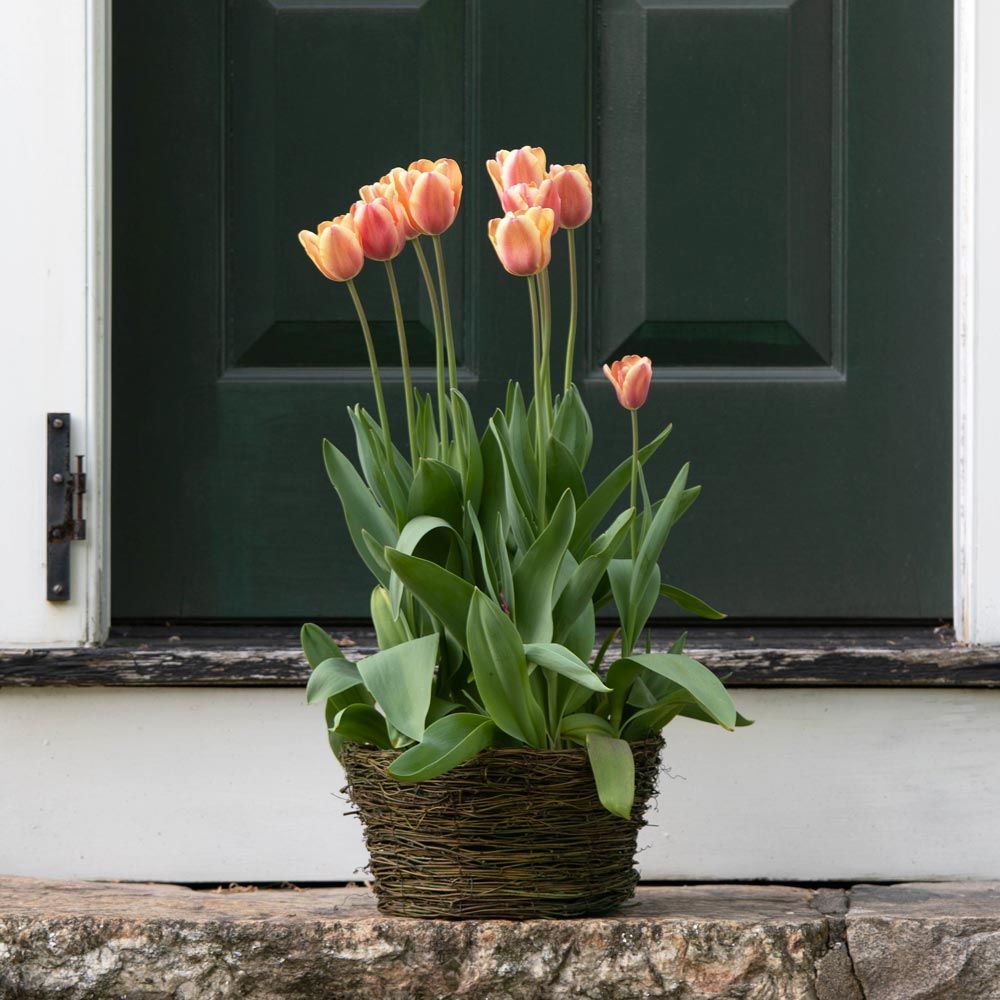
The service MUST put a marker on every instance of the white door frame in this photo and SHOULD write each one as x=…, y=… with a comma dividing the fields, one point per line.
x=55, y=101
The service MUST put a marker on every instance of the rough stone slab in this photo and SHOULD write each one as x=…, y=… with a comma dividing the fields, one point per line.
x=91, y=941
x=926, y=941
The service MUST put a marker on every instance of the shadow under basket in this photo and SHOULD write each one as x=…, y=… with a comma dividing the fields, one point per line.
x=512, y=834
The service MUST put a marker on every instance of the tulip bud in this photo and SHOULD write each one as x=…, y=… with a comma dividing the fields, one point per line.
x=381, y=228
x=523, y=240
x=522, y=196
x=520, y=166
x=385, y=188
x=631, y=377
x=334, y=248
x=430, y=193
x=575, y=195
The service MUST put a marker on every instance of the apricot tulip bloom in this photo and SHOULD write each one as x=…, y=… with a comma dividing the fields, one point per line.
x=381, y=227
x=576, y=197
x=631, y=377
x=523, y=240
x=334, y=248
x=522, y=196
x=385, y=188
x=430, y=193
x=520, y=166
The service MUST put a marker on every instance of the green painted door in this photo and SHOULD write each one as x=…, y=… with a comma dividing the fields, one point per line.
x=773, y=227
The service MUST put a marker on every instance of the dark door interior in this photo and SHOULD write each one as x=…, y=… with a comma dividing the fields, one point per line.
x=773, y=227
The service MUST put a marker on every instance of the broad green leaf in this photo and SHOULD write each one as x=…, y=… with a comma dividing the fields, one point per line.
x=505, y=575
x=593, y=510
x=448, y=742
x=613, y=766
x=485, y=562
x=493, y=501
x=621, y=675
x=620, y=576
x=371, y=457
x=535, y=576
x=470, y=461
x=390, y=630
x=445, y=595
x=689, y=602
x=317, y=645
x=692, y=711
x=655, y=538
x=413, y=533
x=330, y=713
x=562, y=474
x=704, y=687
x=361, y=510
x=400, y=679
x=376, y=550
x=688, y=497
x=439, y=708
x=579, y=590
x=645, y=601
x=437, y=492
x=501, y=672
x=580, y=636
x=362, y=724
x=579, y=726
x=518, y=426
x=331, y=677
x=572, y=426
x=563, y=661
x=426, y=427
x=517, y=502
x=651, y=720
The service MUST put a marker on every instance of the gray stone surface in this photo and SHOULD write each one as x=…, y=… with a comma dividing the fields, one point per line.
x=77, y=941
x=108, y=941
x=926, y=941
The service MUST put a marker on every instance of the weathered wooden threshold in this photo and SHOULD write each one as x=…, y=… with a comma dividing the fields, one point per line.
x=872, y=656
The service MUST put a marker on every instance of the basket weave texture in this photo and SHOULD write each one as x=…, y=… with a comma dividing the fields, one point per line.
x=512, y=834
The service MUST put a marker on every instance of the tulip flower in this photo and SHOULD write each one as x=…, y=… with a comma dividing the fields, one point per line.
x=430, y=193
x=575, y=193
x=334, y=248
x=523, y=240
x=381, y=227
x=522, y=196
x=520, y=166
x=631, y=377
x=385, y=188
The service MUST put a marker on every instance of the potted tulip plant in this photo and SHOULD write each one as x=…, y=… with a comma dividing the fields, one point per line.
x=501, y=766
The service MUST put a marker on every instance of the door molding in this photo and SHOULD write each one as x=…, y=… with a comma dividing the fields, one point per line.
x=976, y=548
x=55, y=103
x=58, y=301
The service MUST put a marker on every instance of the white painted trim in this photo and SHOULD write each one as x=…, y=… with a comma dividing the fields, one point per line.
x=238, y=784
x=55, y=109
x=977, y=322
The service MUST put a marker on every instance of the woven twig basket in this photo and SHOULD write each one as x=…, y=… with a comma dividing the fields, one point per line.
x=512, y=834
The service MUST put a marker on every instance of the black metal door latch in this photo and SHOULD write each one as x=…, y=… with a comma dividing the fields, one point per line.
x=65, y=490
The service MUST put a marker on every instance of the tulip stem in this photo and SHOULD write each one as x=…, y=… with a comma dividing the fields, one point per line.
x=446, y=310
x=546, y=365
x=383, y=417
x=635, y=477
x=404, y=360
x=571, y=338
x=540, y=429
x=438, y=342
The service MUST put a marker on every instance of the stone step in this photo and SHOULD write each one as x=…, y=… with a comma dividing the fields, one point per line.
x=98, y=941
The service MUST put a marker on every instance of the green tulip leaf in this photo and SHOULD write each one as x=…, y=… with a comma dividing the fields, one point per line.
x=653, y=541
x=501, y=672
x=579, y=726
x=361, y=510
x=445, y=595
x=390, y=630
x=564, y=662
x=613, y=767
x=594, y=509
x=447, y=743
x=400, y=679
x=705, y=688
x=331, y=677
x=535, y=575
x=689, y=602
x=362, y=724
